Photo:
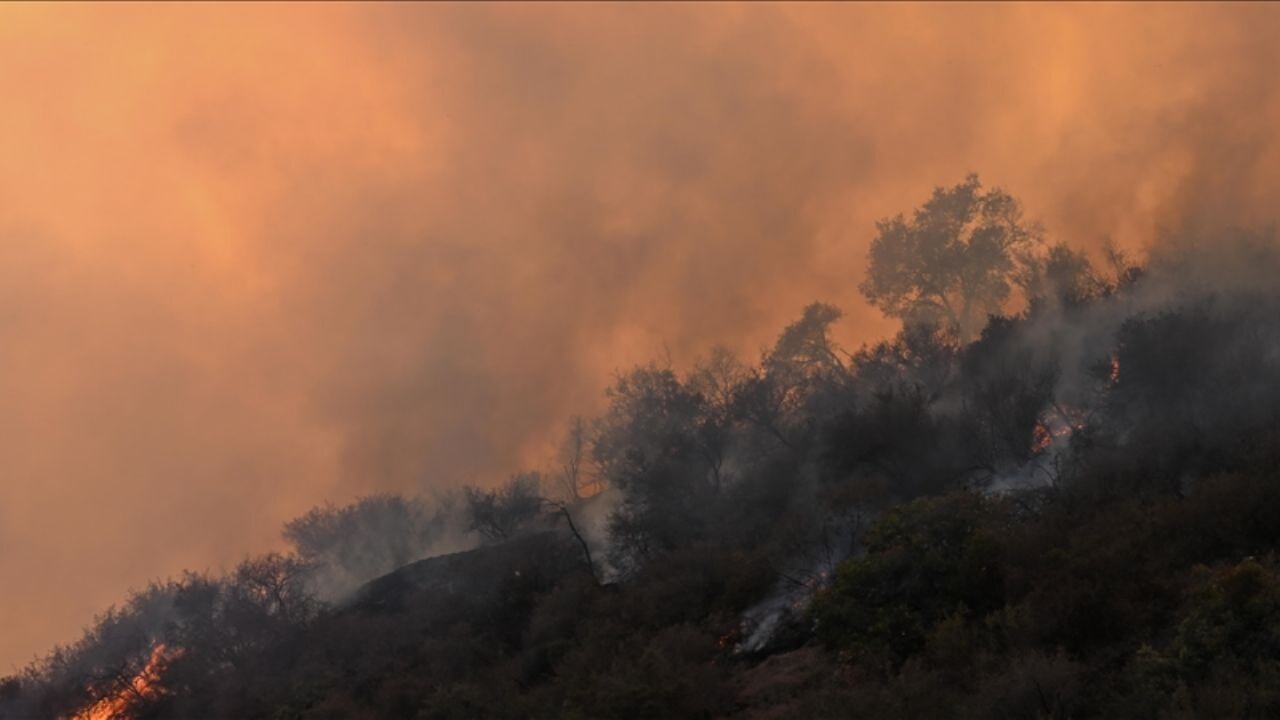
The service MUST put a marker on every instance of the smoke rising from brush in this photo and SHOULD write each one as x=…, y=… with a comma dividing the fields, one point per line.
x=256, y=258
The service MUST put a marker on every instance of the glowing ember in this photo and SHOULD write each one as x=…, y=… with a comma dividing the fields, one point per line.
x=1115, y=369
x=1053, y=424
x=1041, y=439
x=144, y=685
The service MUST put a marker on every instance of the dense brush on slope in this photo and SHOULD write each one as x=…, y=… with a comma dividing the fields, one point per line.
x=1072, y=511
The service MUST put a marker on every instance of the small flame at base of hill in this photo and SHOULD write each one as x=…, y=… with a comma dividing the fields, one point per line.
x=144, y=685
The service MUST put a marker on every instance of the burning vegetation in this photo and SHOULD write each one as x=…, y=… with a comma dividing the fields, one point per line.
x=981, y=517
x=144, y=687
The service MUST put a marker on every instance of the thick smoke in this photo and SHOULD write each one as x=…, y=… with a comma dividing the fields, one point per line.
x=257, y=258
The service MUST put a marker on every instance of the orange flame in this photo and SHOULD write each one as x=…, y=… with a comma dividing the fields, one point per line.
x=1041, y=439
x=1057, y=423
x=144, y=685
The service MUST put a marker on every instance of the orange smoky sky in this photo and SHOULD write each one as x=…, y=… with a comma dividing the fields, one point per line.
x=254, y=258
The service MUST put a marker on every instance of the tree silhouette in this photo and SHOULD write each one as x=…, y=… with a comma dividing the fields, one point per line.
x=955, y=261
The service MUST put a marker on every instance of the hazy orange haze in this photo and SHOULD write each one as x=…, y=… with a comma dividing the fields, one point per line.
x=257, y=257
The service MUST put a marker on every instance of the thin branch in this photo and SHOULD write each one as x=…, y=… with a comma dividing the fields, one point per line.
x=573, y=528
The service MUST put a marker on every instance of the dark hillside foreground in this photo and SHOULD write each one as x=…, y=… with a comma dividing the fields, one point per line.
x=1054, y=494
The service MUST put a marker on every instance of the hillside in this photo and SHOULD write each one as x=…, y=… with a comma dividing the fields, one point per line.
x=1064, y=507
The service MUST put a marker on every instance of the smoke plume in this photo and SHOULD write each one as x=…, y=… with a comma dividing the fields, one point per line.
x=257, y=258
